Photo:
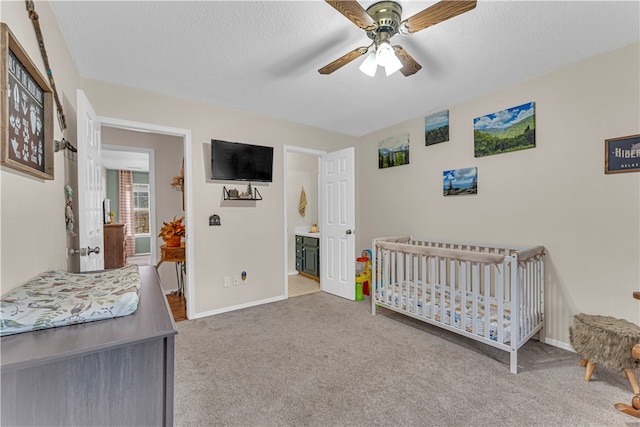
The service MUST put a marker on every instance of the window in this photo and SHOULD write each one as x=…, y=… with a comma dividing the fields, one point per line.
x=141, y=209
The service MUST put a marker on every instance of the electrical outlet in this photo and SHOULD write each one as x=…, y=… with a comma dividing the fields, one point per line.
x=236, y=280
x=227, y=281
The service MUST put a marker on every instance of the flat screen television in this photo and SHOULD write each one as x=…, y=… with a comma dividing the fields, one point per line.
x=234, y=161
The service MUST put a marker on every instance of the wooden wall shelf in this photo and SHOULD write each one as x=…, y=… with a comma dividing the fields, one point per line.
x=231, y=196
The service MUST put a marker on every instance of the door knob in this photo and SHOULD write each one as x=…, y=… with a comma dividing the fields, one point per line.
x=348, y=232
x=89, y=251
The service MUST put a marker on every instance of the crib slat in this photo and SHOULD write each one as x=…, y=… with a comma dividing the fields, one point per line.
x=486, y=322
x=443, y=284
x=500, y=322
x=388, y=276
x=433, y=265
x=475, y=285
x=414, y=260
x=463, y=294
x=423, y=298
x=452, y=292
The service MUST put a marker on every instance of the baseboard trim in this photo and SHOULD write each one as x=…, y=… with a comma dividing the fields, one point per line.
x=559, y=344
x=309, y=276
x=238, y=307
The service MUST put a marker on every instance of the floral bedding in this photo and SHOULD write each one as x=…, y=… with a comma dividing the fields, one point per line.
x=58, y=298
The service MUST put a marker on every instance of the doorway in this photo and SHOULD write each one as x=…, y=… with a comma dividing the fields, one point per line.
x=302, y=211
x=140, y=163
x=184, y=154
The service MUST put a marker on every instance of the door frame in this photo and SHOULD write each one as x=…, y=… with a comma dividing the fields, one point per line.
x=286, y=149
x=152, y=180
x=187, y=145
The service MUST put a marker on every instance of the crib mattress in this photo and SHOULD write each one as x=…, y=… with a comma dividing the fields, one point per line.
x=396, y=296
x=58, y=298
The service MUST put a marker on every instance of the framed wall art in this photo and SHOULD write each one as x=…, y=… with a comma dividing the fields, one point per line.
x=436, y=128
x=504, y=131
x=622, y=154
x=456, y=182
x=26, y=109
x=393, y=151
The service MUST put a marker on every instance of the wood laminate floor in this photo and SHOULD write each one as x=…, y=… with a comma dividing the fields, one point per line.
x=178, y=307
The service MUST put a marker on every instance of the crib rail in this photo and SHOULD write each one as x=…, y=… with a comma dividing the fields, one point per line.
x=488, y=293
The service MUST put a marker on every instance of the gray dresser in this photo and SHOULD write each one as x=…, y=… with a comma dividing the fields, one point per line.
x=109, y=372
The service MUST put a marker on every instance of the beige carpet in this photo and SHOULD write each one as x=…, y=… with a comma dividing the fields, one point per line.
x=301, y=285
x=320, y=360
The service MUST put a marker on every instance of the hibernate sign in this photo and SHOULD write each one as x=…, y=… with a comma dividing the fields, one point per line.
x=622, y=154
x=27, y=134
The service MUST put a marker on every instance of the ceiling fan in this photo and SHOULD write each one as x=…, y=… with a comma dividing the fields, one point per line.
x=381, y=21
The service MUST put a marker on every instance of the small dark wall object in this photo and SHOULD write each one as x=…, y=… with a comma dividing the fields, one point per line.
x=214, y=220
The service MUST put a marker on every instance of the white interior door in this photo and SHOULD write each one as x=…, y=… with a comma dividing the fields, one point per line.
x=337, y=259
x=90, y=210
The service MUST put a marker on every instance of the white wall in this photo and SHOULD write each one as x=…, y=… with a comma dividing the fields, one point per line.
x=302, y=172
x=32, y=220
x=555, y=194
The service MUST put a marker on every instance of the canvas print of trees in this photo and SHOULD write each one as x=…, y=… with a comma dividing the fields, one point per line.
x=457, y=182
x=393, y=151
x=436, y=128
x=507, y=130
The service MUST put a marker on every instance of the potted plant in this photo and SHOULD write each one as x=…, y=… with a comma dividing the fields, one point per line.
x=172, y=232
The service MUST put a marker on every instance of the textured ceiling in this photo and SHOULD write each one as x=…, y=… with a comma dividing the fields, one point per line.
x=263, y=56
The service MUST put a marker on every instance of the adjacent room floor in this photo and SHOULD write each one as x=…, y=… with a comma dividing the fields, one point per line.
x=302, y=285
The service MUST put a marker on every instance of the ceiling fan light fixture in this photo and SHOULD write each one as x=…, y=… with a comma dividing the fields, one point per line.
x=384, y=54
x=369, y=65
x=393, y=65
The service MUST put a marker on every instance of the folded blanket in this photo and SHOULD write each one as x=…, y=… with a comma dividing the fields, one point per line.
x=58, y=298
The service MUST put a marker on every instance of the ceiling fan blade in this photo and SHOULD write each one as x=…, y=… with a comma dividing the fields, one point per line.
x=437, y=13
x=409, y=65
x=354, y=13
x=343, y=60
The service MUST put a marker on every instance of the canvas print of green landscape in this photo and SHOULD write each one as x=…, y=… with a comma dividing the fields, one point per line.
x=457, y=182
x=436, y=128
x=393, y=151
x=512, y=129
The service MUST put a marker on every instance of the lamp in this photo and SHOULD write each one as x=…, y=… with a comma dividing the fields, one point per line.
x=384, y=56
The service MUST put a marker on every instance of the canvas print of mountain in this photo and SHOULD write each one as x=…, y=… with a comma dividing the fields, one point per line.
x=436, y=128
x=393, y=151
x=512, y=129
x=457, y=182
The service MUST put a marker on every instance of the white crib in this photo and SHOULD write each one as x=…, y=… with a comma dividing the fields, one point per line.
x=492, y=294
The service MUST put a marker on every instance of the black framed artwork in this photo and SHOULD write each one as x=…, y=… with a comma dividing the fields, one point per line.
x=622, y=154
x=27, y=111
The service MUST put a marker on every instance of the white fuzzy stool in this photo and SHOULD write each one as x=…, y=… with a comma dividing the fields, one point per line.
x=607, y=341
